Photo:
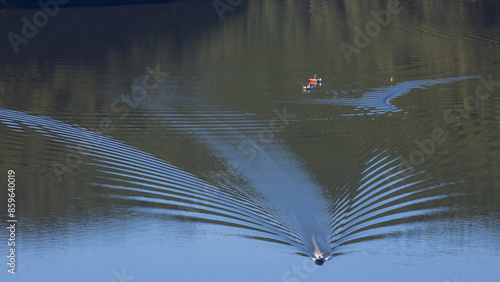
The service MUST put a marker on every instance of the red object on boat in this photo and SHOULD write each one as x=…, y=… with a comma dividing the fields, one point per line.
x=315, y=80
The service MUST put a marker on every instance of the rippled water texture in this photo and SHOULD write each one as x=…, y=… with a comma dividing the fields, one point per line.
x=175, y=142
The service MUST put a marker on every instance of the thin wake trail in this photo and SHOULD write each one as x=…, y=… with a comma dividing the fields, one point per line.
x=379, y=100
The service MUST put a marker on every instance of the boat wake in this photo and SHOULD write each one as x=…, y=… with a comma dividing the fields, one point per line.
x=378, y=100
x=278, y=200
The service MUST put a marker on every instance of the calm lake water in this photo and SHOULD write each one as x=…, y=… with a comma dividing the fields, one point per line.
x=175, y=142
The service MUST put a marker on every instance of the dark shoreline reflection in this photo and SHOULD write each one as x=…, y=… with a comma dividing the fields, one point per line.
x=16, y=4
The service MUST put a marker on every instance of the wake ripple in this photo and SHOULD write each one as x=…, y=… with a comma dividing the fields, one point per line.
x=378, y=101
x=391, y=192
x=136, y=175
